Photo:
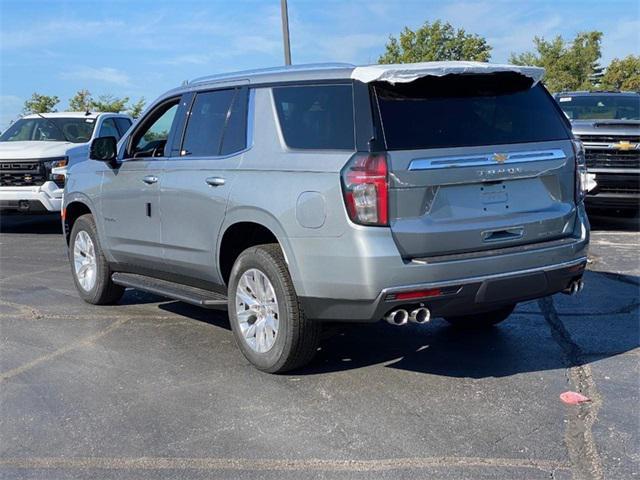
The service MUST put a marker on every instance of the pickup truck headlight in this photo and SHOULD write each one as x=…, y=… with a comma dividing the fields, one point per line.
x=581, y=172
x=57, y=176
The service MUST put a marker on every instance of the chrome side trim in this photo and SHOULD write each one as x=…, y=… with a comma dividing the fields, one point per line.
x=487, y=159
x=482, y=278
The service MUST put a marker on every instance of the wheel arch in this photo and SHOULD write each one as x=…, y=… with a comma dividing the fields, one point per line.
x=247, y=227
x=73, y=210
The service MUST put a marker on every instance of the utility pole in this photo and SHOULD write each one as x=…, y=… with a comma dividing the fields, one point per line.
x=285, y=31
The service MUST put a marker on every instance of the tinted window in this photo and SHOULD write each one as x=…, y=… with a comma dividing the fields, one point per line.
x=108, y=129
x=234, y=138
x=206, y=123
x=316, y=117
x=466, y=110
x=150, y=140
x=123, y=124
x=601, y=107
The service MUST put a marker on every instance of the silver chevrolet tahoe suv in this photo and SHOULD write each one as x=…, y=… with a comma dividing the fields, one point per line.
x=323, y=193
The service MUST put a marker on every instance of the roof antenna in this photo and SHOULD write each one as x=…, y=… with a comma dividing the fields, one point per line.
x=87, y=113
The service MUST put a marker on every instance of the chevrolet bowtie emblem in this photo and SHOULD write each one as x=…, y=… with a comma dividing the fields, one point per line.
x=500, y=157
x=625, y=145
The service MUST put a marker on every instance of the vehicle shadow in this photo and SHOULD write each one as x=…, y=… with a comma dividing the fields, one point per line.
x=217, y=318
x=39, y=224
x=523, y=343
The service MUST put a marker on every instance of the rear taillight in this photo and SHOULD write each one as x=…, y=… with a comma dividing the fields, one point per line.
x=581, y=171
x=365, y=187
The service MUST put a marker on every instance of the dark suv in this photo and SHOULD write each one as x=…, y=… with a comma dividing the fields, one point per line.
x=608, y=123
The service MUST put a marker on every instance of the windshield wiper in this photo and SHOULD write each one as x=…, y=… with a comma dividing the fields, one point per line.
x=55, y=125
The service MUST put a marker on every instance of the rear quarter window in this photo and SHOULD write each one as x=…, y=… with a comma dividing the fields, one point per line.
x=318, y=117
x=467, y=110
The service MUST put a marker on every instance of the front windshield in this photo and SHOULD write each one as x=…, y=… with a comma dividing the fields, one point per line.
x=601, y=107
x=76, y=130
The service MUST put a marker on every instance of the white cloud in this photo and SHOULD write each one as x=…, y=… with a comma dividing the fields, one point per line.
x=187, y=59
x=102, y=74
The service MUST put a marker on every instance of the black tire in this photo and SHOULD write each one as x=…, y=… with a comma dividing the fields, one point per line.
x=482, y=320
x=104, y=291
x=297, y=339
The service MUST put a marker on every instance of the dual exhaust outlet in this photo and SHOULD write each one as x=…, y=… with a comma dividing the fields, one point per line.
x=422, y=315
x=574, y=287
x=402, y=317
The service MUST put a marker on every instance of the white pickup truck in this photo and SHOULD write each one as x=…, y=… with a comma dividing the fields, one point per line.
x=35, y=151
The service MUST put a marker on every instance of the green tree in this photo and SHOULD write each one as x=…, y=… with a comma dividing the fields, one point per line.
x=136, y=109
x=622, y=74
x=109, y=103
x=40, y=104
x=568, y=65
x=435, y=41
x=81, y=101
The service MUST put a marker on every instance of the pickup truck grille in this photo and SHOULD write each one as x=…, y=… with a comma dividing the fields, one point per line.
x=603, y=151
x=21, y=174
x=612, y=158
x=621, y=189
x=609, y=138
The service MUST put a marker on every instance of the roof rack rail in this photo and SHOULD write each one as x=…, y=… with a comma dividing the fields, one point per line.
x=269, y=70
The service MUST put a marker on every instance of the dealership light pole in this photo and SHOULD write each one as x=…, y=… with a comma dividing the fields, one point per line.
x=285, y=31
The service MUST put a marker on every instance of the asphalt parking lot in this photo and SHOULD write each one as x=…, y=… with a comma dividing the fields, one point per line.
x=152, y=388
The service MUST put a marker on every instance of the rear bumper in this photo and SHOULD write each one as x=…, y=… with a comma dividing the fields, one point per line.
x=355, y=288
x=42, y=198
x=467, y=295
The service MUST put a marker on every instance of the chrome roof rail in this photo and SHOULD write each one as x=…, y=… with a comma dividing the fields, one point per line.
x=271, y=70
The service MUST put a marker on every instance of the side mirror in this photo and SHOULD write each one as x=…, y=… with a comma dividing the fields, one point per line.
x=104, y=149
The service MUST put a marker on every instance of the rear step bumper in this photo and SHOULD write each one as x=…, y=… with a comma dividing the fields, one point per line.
x=175, y=291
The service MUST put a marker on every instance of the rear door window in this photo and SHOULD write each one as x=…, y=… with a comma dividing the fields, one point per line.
x=467, y=110
x=210, y=114
x=316, y=116
x=234, y=137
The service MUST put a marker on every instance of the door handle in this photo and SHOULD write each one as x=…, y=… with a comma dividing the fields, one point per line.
x=215, y=181
x=150, y=179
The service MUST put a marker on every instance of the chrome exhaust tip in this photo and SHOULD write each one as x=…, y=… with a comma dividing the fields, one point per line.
x=420, y=315
x=574, y=287
x=397, y=317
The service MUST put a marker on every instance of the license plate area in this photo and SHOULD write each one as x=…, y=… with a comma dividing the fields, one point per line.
x=494, y=197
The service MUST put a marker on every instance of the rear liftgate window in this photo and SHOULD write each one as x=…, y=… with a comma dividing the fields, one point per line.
x=316, y=117
x=467, y=110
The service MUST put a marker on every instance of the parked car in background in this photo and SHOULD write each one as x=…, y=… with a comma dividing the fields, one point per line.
x=36, y=150
x=298, y=195
x=608, y=124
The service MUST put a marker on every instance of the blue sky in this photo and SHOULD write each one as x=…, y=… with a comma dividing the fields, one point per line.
x=142, y=48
